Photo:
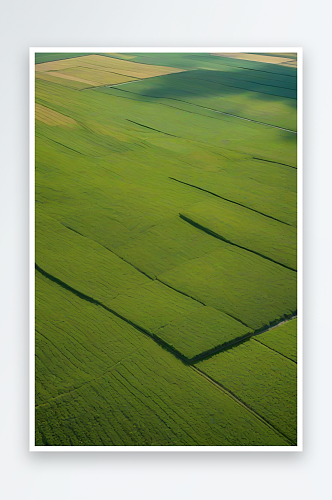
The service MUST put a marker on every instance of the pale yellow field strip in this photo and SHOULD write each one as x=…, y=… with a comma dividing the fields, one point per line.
x=127, y=68
x=289, y=55
x=92, y=76
x=66, y=76
x=49, y=77
x=292, y=64
x=57, y=65
x=255, y=57
x=53, y=118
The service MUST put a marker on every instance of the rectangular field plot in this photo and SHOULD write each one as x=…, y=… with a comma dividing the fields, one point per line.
x=152, y=305
x=201, y=332
x=282, y=339
x=245, y=228
x=239, y=283
x=260, y=378
x=91, y=76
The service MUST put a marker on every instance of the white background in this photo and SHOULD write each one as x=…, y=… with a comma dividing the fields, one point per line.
x=48, y=476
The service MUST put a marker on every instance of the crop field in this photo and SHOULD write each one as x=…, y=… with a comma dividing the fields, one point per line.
x=166, y=250
x=264, y=58
x=97, y=70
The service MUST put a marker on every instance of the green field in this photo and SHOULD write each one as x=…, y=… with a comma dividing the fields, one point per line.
x=165, y=238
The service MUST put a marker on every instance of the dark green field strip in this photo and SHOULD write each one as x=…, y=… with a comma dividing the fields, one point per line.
x=211, y=112
x=275, y=69
x=237, y=105
x=201, y=332
x=134, y=392
x=212, y=62
x=41, y=57
x=282, y=339
x=262, y=379
x=257, y=77
x=246, y=229
x=189, y=84
x=239, y=283
x=266, y=102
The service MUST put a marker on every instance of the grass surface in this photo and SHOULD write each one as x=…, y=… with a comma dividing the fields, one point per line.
x=100, y=382
x=282, y=339
x=261, y=379
x=165, y=223
x=245, y=286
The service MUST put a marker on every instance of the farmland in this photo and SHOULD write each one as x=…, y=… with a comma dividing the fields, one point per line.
x=166, y=250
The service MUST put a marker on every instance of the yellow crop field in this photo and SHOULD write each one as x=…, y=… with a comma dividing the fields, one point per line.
x=92, y=76
x=97, y=63
x=54, y=77
x=53, y=118
x=256, y=57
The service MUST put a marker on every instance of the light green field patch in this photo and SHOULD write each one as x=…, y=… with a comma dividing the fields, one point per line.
x=262, y=379
x=203, y=330
x=282, y=339
x=239, y=283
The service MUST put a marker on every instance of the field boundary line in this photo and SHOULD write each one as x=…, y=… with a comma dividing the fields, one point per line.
x=219, y=237
x=197, y=300
x=237, y=79
x=230, y=201
x=230, y=394
x=274, y=350
x=154, y=336
x=276, y=162
x=154, y=129
x=250, y=336
x=83, y=296
x=106, y=248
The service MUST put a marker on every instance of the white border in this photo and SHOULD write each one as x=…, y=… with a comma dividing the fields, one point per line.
x=32, y=446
